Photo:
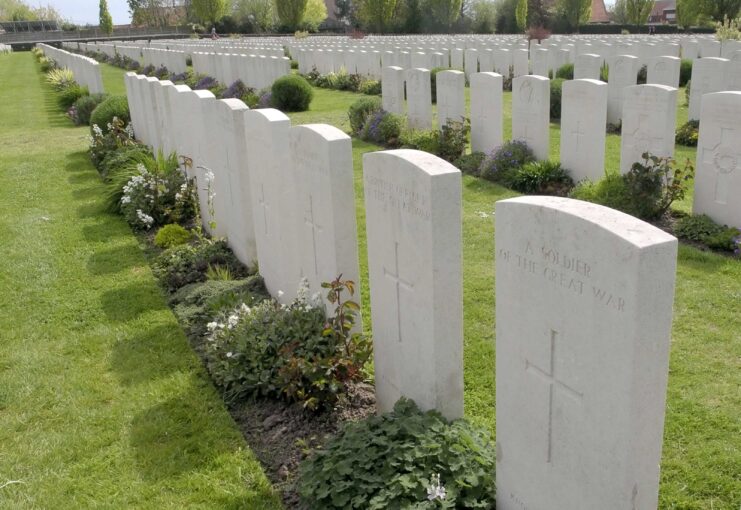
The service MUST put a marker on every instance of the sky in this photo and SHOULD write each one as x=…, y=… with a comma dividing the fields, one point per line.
x=82, y=12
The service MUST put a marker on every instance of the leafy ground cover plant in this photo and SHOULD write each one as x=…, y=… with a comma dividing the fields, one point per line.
x=402, y=459
x=360, y=110
x=383, y=128
x=85, y=106
x=117, y=136
x=60, y=79
x=540, y=178
x=688, y=133
x=702, y=229
x=292, y=352
x=509, y=156
x=172, y=235
x=112, y=107
x=189, y=263
x=292, y=93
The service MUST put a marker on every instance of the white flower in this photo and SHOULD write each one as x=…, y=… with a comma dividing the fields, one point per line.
x=245, y=309
x=280, y=293
x=316, y=299
x=212, y=326
x=97, y=131
x=232, y=321
x=125, y=199
x=229, y=354
x=436, y=491
x=209, y=177
x=303, y=290
x=144, y=218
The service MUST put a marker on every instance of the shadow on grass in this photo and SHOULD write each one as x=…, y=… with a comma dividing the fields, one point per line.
x=83, y=178
x=178, y=436
x=92, y=210
x=86, y=193
x=113, y=260
x=694, y=259
x=103, y=232
x=148, y=355
x=129, y=302
x=78, y=162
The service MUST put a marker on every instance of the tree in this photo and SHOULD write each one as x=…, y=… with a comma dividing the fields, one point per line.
x=16, y=10
x=376, y=14
x=156, y=13
x=638, y=11
x=208, y=11
x=445, y=12
x=290, y=12
x=687, y=13
x=483, y=16
x=521, y=14
x=538, y=13
x=719, y=9
x=314, y=15
x=575, y=12
x=260, y=14
x=412, y=16
x=506, y=20
x=105, y=20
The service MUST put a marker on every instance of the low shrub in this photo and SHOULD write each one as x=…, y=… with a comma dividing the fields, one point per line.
x=265, y=101
x=293, y=352
x=642, y=77
x=60, y=79
x=402, y=459
x=382, y=128
x=172, y=235
x=102, y=144
x=188, y=263
x=161, y=73
x=702, y=229
x=85, y=106
x=370, y=87
x=69, y=96
x=540, y=178
x=148, y=70
x=556, y=88
x=565, y=72
x=453, y=139
x=688, y=133
x=509, y=156
x=159, y=193
x=128, y=155
x=206, y=83
x=292, y=93
x=360, y=110
x=646, y=191
x=422, y=140
x=685, y=72
x=112, y=106
x=197, y=304
x=236, y=90
x=470, y=163
x=47, y=64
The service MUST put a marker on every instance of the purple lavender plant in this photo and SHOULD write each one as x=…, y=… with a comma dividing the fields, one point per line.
x=236, y=90
x=265, y=101
x=206, y=83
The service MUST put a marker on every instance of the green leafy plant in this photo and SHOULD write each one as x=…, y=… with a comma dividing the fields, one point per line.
x=118, y=135
x=427, y=140
x=172, y=235
x=360, y=110
x=159, y=193
x=218, y=272
x=112, y=107
x=470, y=163
x=60, y=79
x=433, y=81
x=85, y=106
x=69, y=96
x=511, y=155
x=685, y=72
x=292, y=93
x=188, y=263
x=453, y=139
x=402, y=459
x=688, y=133
x=370, y=87
x=541, y=178
x=383, y=128
x=565, y=72
x=556, y=89
x=702, y=229
x=47, y=64
x=642, y=76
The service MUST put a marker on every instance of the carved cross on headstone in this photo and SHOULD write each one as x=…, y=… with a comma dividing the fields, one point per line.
x=578, y=134
x=554, y=384
x=399, y=284
x=724, y=160
x=265, y=206
x=315, y=227
x=641, y=139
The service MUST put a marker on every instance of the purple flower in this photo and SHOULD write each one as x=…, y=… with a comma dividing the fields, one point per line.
x=206, y=83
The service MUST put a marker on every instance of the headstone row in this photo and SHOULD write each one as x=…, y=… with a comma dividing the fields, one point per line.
x=85, y=70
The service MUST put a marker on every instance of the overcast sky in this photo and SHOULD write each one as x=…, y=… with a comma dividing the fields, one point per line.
x=86, y=11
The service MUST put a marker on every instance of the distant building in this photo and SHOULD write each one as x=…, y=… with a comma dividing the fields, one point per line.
x=331, y=8
x=663, y=13
x=599, y=12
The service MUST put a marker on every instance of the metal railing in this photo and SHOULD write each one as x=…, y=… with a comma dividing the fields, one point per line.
x=89, y=34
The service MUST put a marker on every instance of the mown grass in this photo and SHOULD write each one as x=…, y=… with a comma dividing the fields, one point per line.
x=102, y=402
x=702, y=450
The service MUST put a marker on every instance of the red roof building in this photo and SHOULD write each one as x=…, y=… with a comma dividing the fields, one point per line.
x=599, y=12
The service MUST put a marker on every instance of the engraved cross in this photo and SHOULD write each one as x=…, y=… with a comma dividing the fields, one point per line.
x=315, y=227
x=578, y=133
x=399, y=284
x=554, y=383
x=265, y=206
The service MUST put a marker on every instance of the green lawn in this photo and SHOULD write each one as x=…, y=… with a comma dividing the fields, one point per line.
x=702, y=450
x=102, y=401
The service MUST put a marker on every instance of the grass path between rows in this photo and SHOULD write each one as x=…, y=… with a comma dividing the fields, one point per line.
x=102, y=401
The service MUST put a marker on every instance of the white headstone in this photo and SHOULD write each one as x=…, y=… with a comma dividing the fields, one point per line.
x=413, y=221
x=649, y=123
x=321, y=163
x=392, y=93
x=708, y=76
x=623, y=72
x=583, y=330
x=718, y=170
x=664, y=71
x=588, y=66
x=486, y=111
x=419, y=99
x=583, y=121
x=531, y=98
x=451, y=101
